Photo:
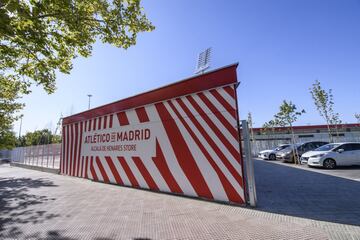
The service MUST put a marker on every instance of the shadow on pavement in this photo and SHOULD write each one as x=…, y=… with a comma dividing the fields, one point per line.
x=307, y=194
x=344, y=167
x=16, y=202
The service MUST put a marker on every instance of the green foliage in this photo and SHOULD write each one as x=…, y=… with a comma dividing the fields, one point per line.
x=268, y=127
x=9, y=93
x=324, y=102
x=38, y=137
x=287, y=114
x=7, y=139
x=40, y=38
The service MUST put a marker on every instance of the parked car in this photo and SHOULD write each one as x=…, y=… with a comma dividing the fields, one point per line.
x=271, y=153
x=332, y=155
x=295, y=151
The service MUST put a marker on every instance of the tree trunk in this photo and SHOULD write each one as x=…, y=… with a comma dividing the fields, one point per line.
x=295, y=152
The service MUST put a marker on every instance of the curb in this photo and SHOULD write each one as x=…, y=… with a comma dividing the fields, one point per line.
x=38, y=168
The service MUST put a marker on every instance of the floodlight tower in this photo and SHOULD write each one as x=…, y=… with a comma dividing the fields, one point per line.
x=89, y=95
x=203, y=61
x=58, y=125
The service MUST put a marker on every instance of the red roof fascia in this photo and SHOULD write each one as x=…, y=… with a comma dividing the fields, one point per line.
x=219, y=77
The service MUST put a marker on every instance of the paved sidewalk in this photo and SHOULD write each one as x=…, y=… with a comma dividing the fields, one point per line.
x=38, y=205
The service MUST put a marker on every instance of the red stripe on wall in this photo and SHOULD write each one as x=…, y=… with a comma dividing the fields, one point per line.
x=67, y=149
x=123, y=120
x=231, y=193
x=145, y=173
x=218, y=115
x=128, y=172
x=114, y=170
x=211, y=142
x=71, y=148
x=86, y=166
x=183, y=154
x=218, y=133
x=230, y=91
x=111, y=121
x=164, y=170
x=85, y=126
x=80, y=145
x=75, y=149
x=94, y=124
x=142, y=115
x=89, y=126
x=62, y=159
x=82, y=166
x=105, y=122
x=223, y=102
x=99, y=123
x=102, y=170
x=92, y=170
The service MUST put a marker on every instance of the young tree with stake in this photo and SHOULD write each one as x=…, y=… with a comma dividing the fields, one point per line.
x=287, y=115
x=324, y=102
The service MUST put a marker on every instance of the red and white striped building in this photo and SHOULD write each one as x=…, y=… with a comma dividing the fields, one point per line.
x=182, y=138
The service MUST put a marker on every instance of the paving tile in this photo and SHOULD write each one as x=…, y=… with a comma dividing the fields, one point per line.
x=38, y=205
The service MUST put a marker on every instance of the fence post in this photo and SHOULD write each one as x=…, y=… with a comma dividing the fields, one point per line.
x=33, y=154
x=42, y=155
x=47, y=155
x=249, y=164
x=54, y=154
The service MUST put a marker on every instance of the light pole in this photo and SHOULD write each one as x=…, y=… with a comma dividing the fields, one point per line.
x=89, y=95
x=20, y=125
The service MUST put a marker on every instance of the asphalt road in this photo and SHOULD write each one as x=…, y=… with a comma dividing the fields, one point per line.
x=325, y=195
x=351, y=172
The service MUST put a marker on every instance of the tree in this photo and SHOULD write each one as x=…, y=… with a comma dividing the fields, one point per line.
x=38, y=137
x=357, y=116
x=40, y=38
x=9, y=93
x=250, y=122
x=268, y=129
x=286, y=116
x=7, y=139
x=324, y=102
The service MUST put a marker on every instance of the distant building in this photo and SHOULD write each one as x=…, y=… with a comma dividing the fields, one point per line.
x=309, y=132
x=268, y=138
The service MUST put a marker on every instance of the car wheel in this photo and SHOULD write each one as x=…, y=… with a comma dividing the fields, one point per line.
x=272, y=157
x=329, y=163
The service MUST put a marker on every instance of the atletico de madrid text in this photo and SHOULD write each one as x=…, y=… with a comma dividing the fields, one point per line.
x=131, y=135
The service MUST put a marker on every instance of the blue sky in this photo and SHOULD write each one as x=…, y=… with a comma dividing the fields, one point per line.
x=282, y=46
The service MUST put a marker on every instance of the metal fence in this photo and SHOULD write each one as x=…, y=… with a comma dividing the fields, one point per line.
x=5, y=154
x=41, y=155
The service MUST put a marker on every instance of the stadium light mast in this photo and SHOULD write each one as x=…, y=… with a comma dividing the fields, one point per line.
x=89, y=95
x=203, y=61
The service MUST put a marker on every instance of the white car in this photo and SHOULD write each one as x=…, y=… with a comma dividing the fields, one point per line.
x=332, y=155
x=271, y=154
